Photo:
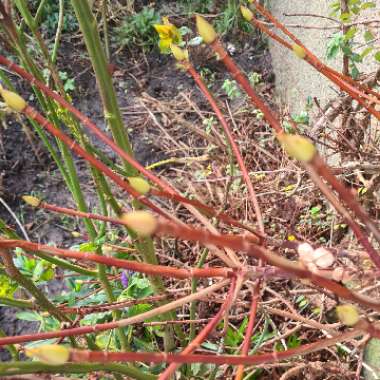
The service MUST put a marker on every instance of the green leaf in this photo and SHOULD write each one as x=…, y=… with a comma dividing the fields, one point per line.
x=372, y=358
x=334, y=46
x=106, y=340
x=30, y=316
x=368, y=36
x=138, y=309
x=369, y=4
x=349, y=35
x=345, y=17
x=377, y=56
x=7, y=287
x=293, y=341
x=210, y=346
x=314, y=211
x=87, y=247
x=366, y=51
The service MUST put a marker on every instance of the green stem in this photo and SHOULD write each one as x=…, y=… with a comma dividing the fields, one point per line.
x=21, y=368
x=105, y=30
x=59, y=32
x=88, y=25
x=21, y=304
x=40, y=9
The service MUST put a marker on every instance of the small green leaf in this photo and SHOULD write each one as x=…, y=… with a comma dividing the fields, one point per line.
x=369, y=4
x=345, y=17
x=87, y=247
x=368, y=36
x=366, y=51
x=30, y=316
x=377, y=56
x=372, y=358
x=350, y=34
x=7, y=287
x=293, y=341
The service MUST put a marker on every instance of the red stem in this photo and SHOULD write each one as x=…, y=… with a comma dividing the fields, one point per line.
x=203, y=334
x=287, y=32
x=244, y=83
x=98, y=356
x=324, y=171
x=249, y=330
x=72, y=145
x=168, y=192
x=346, y=83
x=149, y=269
x=232, y=140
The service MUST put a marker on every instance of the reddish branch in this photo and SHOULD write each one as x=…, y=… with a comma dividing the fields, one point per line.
x=249, y=329
x=317, y=63
x=167, y=192
x=234, y=242
x=106, y=357
x=232, y=140
x=317, y=163
x=238, y=75
x=203, y=334
x=149, y=269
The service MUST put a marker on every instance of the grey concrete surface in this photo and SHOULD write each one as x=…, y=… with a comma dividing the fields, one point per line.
x=295, y=79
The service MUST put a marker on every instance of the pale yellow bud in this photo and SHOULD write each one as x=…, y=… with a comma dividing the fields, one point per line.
x=246, y=13
x=139, y=184
x=75, y=234
x=31, y=201
x=14, y=101
x=348, y=314
x=298, y=147
x=299, y=51
x=52, y=354
x=206, y=30
x=141, y=222
x=179, y=54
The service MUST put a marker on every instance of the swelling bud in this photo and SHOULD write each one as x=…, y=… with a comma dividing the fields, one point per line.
x=139, y=184
x=298, y=147
x=141, y=222
x=178, y=53
x=31, y=201
x=52, y=354
x=246, y=13
x=206, y=30
x=299, y=51
x=348, y=314
x=14, y=101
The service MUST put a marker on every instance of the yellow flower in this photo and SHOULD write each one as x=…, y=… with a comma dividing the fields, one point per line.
x=169, y=34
